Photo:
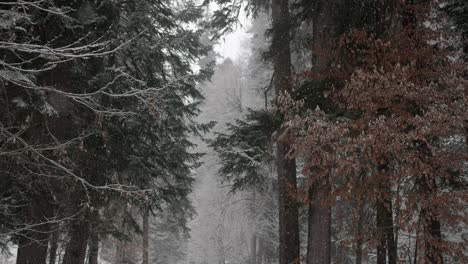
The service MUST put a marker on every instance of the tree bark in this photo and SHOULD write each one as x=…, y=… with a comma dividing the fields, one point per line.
x=286, y=166
x=145, y=237
x=75, y=251
x=381, y=246
x=93, y=247
x=319, y=223
x=319, y=235
x=33, y=244
x=93, y=254
x=253, y=249
x=53, y=245
x=260, y=252
x=416, y=244
x=359, y=235
x=433, y=254
x=390, y=235
x=432, y=233
x=387, y=245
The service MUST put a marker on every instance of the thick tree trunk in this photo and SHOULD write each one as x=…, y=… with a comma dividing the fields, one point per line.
x=387, y=246
x=432, y=252
x=127, y=251
x=145, y=237
x=119, y=254
x=93, y=254
x=32, y=245
x=286, y=166
x=31, y=252
x=319, y=223
x=75, y=251
x=319, y=235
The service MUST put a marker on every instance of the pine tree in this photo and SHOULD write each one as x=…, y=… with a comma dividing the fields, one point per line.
x=98, y=106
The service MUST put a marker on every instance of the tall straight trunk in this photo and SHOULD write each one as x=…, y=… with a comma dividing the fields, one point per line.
x=389, y=234
x=432, y=228
x=33, y=244
x=253, y=238
x=120, y=245
x=319, y=222
x=382, y=245
x=145, y=237
x=53, y=245
x=93, y=247
x=260, y=252
x=416, y=245
x=359, y=235
x=93, y=250
x=75, y=251
x=432, y=233
x=289, y=248
x=253, y=249
x=30, y=252
x=387, y=245
x=119, y=253
x=319, y=235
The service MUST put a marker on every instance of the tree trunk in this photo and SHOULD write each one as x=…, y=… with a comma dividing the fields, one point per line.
x=260, y=252
x=30, y=252
x=319, y=235
x=386, y=240
x=432, y=233
x=53, y=245
x=253, y=249
x=93, y=247
x=382, y=245
x=432, y=252
x=93, y=254
x=384, y=221
x=319, y=223
x=145, y=236
x=32, y=244
x=416, y=249
x=286, y=166
x=384, y=13
x=75, y=251
x=359, y=235
x=390, y=235
x=125, y=252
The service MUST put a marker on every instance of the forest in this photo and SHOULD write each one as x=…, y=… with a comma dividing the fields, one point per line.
x=337, y=134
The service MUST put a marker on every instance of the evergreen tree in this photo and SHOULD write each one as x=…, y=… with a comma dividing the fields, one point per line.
x=99, y=99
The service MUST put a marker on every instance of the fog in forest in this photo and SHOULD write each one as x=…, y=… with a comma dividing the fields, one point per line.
x=233, y=132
